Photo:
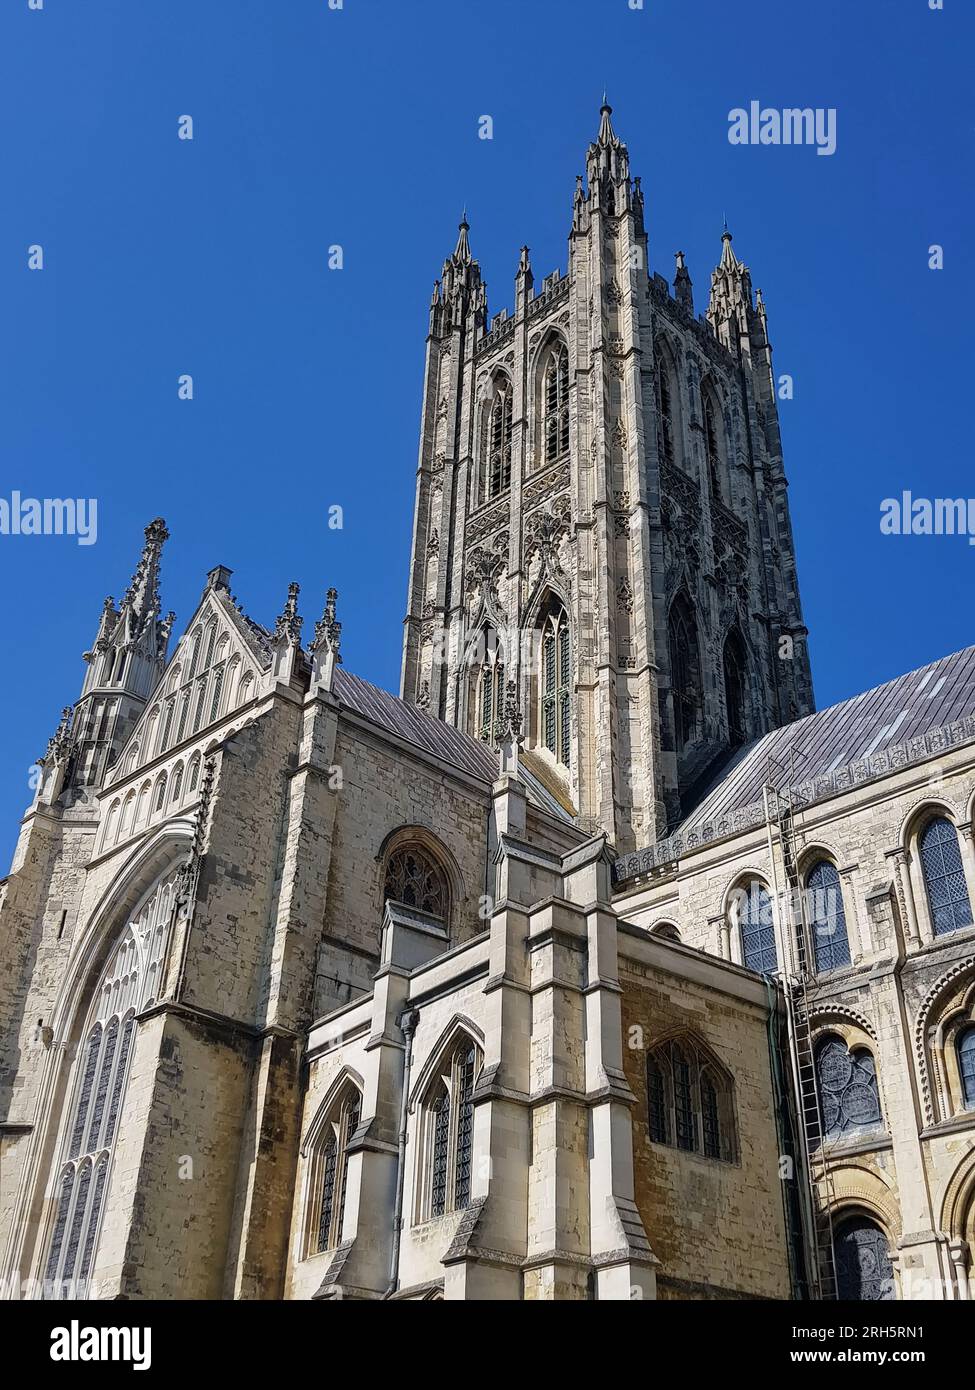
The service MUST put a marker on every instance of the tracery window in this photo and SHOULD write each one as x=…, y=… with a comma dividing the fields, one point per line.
x=966, y=1066
x=556, y=389
x=449, y=1122
x=944, y=877
x=556, y=685
x=864, y=1273
x=690, y=1102
x=665, y=410
x=487, y=688
x=499, y=440
x=330, y=1169
x=97, y=1088
x=712, y=446
x=752, y=908
x=414, y=877
x=735, y=668
x=685, y=677
x=848, y=1097
x=827, y=918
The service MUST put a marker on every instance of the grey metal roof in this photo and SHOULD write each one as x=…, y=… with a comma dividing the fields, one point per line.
x=432, y=735
x=908, y=719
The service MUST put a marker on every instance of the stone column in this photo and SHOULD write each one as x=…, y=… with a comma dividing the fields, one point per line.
x=905, y=893
x=958, y=1250
x=966, y=842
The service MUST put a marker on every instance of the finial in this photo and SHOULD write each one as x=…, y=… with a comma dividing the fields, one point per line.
x=288, y=625
x=462, y=251
x=327, y=630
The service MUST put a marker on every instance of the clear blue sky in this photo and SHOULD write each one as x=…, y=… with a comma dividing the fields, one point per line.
x=359, y=127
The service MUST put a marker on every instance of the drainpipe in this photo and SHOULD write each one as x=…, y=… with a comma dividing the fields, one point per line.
x=407, y=1023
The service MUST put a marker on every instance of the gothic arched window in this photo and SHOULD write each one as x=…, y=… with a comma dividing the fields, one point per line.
x=966, y=1067
x=329, y=1174
x=848, y=1096
x=735, y=669
x=864, y=1273
x=414, y=878
x=753, y=908
x=487, y=688
x=944, y=877
x=666, y=413
x=685, y=676
x=690, y=1102
x=449, y=1121
x=827, y=919
x=498, y=472
x=712, y=445
x=90, y=1126
x=556, y=399
x=555, y=684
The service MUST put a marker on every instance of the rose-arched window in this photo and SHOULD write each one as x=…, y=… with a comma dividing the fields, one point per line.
x=848, y=1096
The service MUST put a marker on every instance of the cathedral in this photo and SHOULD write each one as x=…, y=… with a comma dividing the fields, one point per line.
x=595, y=965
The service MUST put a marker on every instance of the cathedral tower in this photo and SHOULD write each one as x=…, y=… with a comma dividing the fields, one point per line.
x=602, y=533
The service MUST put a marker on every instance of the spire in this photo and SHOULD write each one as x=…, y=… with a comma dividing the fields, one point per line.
x=606, y=136
x=608, y=167
x=730, y=310
x=462, y=251
x=141, y=602
x=729, y=261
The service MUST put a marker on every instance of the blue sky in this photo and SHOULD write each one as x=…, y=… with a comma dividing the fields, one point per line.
x=359, y=127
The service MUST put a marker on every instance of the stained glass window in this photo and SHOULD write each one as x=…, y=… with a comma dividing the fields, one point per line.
x=689, y=1101
x=499, y=441
x=658, y=1105
x=665, y=410
x=465, y=1127
x=734, y=688
x=684, y=675
x=98, y=1086
x=329, y=1166
x=756, y=924
x=827, y=919
x=414, y=878
x=684, y=1126
x=848, y=1095
x=557, y=405
x=710, y=1119
x=966, y=1065
x=863, y=1270
x=441, y=1153
x=450, y=1135
x=556, y=685
x=944, y=877
x=713, y=447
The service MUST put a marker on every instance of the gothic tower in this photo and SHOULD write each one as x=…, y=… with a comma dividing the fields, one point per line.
x=602, y=533
x=125, y=663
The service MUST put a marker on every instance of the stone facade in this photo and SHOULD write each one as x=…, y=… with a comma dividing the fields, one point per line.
x=652, y=477
x=308, y=992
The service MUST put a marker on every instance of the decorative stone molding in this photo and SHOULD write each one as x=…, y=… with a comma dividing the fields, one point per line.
x=841, y=779
x=965, y=967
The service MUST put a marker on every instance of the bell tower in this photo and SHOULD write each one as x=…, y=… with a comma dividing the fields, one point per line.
x=602, y=529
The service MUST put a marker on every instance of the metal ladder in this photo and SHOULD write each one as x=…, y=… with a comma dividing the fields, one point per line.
x=784, y=810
